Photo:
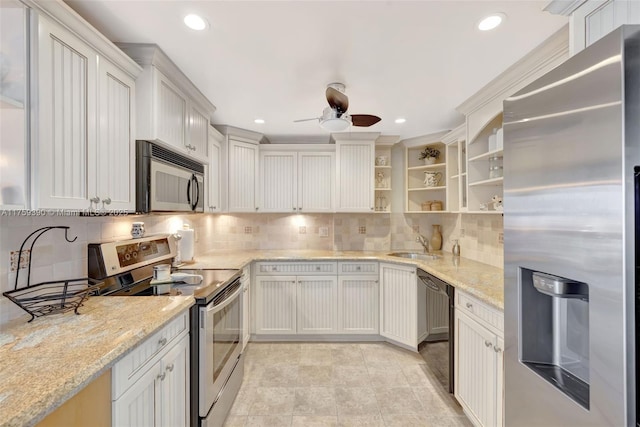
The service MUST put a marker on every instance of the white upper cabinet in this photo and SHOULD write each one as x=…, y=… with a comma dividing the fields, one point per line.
x=296, y=181
x=83, y=152
x=243, y=176
x=355, y=162
x=215, y=176
x=171, y=110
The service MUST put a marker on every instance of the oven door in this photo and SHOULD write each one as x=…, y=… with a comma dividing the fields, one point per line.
x=220, y=337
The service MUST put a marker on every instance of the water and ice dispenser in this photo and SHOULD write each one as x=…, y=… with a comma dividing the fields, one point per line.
x=555, y=331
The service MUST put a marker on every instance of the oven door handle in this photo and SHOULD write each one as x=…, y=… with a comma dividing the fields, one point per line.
x=213, y=309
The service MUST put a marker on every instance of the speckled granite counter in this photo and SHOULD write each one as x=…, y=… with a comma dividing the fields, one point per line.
x=47, y=361
x=480, y=280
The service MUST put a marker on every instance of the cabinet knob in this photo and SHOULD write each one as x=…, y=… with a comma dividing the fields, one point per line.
x=257, y=208
x=497, y=349
x=215, y=207
x=299, y=209
x=162, y=342
x=294, y=209
x=469, y=305
x=372, y=209
x=106, y=201
x=162, y=376
x=95, y=200
x=487, y=343
x=170, y=367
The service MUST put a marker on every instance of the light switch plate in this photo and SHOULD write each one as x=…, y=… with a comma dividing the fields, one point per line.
x=501, y=238
x=323, y=231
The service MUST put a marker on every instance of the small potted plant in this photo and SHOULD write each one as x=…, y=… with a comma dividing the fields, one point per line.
x=429, y=155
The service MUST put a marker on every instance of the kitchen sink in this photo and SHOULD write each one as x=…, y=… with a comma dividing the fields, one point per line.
x=415, y=255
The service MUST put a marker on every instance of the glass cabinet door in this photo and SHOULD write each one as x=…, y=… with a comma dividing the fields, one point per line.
x=14, y=105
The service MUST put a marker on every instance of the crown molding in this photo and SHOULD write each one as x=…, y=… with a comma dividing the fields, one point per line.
x=249, y=135
x=563, y=7
x=455, y=135
x=424, y=139
x=549, y=54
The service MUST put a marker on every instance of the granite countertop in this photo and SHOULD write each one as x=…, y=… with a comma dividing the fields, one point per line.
x=47, y=361
x=483, y=281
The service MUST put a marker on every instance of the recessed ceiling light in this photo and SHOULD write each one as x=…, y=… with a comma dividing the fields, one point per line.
x=259, y=121
x=400, y=120
x=492, y=21
x=195, y=22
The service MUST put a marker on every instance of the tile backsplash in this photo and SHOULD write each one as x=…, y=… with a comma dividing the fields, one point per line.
x=54, y=258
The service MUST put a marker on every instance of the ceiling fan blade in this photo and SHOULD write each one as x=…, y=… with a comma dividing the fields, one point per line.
x=364, y=120
x=337, y=100
x=306, y=120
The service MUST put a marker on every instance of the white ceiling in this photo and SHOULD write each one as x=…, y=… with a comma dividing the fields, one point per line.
x=273, y=59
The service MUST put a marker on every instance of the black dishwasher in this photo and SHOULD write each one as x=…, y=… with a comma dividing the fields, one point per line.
x=437, y=346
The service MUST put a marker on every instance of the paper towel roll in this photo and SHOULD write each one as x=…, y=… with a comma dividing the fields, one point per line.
x=186, y=244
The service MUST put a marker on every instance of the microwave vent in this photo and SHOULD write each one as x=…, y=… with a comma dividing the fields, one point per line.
x=171, y=157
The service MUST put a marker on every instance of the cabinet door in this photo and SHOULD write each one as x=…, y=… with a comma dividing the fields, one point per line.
x=498, y=348
x=358, y=307
x=316, y=182
x=246, y=304
x=243, y=174
x=171, y=112
x=398, y=304
x=355, y=174
x=115, y=160
x=66, y=91
x=278, y=181
x=275, y=304
x=475, y=370
x=174, y=406
x=198, y=133
x=140, y=404
x=215, y=176
x=317, y=304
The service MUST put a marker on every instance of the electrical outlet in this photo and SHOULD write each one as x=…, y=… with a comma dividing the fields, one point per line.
x=501, y=238
x=24, y=259
x=323, y=231
x=416, y=228
x=462, y=232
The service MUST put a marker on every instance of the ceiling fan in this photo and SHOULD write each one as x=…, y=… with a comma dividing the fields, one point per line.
x=335, y=118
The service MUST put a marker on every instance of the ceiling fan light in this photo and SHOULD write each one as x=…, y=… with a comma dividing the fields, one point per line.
x=337, y=124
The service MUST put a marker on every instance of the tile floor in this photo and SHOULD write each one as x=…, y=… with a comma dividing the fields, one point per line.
x=340, y=384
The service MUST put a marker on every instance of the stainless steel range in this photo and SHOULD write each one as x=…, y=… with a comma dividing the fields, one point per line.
x=217, y=363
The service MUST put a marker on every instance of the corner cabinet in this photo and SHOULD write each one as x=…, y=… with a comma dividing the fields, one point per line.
x=355, y=163
x=171, y=110
x=479, y=365
x=83, y=154
x=399, y=305
x=293, y=180
x=243, y=175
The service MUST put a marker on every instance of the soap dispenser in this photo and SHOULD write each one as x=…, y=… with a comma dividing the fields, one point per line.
x=455, y=250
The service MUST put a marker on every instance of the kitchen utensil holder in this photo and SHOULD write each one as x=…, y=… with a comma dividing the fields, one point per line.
x=57, y=296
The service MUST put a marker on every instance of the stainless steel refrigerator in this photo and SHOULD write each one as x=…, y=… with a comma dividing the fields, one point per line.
x=571, y=158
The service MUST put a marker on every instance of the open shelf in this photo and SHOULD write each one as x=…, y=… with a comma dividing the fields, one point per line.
x=487, y=155
x=429, y=212
x=442, y=187
x=427, y=167
x=493, y=182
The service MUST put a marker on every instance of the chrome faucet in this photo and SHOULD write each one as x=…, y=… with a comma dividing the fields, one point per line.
x=424, y=242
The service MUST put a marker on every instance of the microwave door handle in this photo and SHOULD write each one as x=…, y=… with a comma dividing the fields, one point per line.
x=189, y=191
x=195, y=204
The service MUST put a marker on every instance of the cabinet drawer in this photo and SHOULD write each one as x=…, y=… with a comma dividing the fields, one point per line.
x=480, y=311
x=348, y=267
x=306, y=268
x=132, y=366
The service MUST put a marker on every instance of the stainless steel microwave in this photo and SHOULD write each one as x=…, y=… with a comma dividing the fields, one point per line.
x=167, y=181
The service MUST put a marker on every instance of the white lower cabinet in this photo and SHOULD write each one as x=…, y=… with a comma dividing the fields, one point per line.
x=479, y=361
x=246, y=303
x=275, y=304
x=399, y=304
x=358, y=293
x=151, y=386
x=317, y=304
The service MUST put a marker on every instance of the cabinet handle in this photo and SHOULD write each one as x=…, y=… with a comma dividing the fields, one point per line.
x=107, y=201
x=215, y=207
x=318, y=268
x=161, y=376
x=358, y=268
x=487, y=343
x=469, y=305
x=299, y=209
x=372, y=209
x=162, y=342
x=497, y=349
x=257, y=208
x=294, y=209
x=95, y=200
x=170, y=367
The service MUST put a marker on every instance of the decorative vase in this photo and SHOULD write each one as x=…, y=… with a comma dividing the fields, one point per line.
x=429, y=160
x=436, y=238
